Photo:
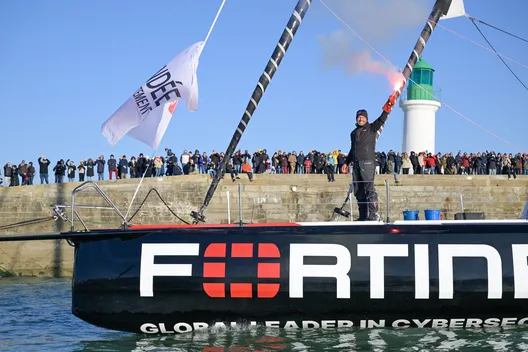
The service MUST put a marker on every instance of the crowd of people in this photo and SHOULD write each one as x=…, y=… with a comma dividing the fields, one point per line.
x=280, y=162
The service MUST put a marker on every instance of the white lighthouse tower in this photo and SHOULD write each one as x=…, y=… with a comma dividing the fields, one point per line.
x=419, y=110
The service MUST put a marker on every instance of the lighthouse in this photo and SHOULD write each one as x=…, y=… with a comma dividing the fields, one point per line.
x=419, y=110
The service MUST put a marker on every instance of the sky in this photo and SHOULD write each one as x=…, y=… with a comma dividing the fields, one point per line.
x=67, y=66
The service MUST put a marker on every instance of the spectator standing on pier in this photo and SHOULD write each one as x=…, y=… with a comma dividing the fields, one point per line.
x=8, y=172
x=82, y=170
x=90, y=169
x=112, y=167
x=123, y=167
x=43, y=169
x=100, y=163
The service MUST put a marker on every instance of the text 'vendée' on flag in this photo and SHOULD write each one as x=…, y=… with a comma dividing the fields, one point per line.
x=145, y=116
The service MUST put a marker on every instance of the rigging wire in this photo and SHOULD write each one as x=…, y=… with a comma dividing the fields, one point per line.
x=497, y=28
x=504, y=62
x=481, y=46
x=432, y=95
x=28, y=222
x=478, y=44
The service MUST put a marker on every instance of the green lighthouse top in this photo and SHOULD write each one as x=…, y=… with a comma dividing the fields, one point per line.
x=421, y=64
x=420, y=85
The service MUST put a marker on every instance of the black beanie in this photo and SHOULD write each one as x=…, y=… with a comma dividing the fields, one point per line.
x=362, y=112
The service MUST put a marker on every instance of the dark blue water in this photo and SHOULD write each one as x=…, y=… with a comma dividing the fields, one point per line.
x=35, y=315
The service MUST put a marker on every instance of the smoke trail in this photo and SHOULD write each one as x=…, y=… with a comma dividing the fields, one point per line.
x=376, y=21
x=338, y=52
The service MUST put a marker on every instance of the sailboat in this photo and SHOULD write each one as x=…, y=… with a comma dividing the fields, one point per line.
x=166, y=279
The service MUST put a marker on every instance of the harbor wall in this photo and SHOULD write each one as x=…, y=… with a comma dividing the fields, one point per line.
x=269, y=198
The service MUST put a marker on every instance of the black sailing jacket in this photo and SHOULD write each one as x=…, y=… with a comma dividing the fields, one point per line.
x=363, y=140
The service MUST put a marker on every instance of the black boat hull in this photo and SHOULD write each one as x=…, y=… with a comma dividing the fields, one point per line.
x=461, y=274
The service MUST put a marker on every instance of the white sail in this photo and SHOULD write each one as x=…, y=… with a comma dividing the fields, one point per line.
x=456, y=10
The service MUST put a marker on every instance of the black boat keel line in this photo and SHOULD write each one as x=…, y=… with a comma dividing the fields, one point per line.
x=273, y=64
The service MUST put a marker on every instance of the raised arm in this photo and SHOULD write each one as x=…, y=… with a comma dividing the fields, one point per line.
x=387, y=108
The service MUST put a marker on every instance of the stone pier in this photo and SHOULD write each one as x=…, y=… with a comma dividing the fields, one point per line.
x=270, y=198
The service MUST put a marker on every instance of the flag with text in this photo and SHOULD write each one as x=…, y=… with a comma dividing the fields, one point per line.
x=146, y=115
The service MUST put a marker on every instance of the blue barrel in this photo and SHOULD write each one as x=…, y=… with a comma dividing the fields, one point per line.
x=432, y=214
x=410, y=214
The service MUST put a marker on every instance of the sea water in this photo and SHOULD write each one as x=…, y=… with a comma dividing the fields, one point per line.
x=35, y=315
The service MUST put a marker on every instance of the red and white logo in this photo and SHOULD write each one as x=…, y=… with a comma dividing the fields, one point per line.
x=215, y=270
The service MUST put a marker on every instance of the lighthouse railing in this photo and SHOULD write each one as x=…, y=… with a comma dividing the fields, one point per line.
x=423, y=94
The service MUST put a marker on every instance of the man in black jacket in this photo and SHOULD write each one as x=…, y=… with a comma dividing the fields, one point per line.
x=362, y=154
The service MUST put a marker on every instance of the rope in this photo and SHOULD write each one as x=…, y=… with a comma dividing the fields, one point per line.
x=504, y=62
x=28, y=222
x=501, y=30
x=163, y=201
x=432, y=95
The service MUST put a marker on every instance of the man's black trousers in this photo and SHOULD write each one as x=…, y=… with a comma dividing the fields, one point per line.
x=366, y=196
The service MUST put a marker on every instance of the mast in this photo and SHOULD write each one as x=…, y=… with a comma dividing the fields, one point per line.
x=441, y=7
x=273, y=64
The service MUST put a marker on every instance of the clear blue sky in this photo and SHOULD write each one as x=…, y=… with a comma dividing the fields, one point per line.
x=68, y=65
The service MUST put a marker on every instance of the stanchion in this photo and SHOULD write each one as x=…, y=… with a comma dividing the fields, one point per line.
x=241, y=223
x=387, y=191
x=228, y=208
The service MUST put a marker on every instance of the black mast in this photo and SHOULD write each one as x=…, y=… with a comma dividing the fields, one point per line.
x=441, y=7
x=272, y=66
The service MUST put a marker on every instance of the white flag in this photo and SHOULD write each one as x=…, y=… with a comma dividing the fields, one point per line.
x=145, y=116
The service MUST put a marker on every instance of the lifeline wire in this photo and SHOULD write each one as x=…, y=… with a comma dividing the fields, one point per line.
x=390, y=63
x=504, y=62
